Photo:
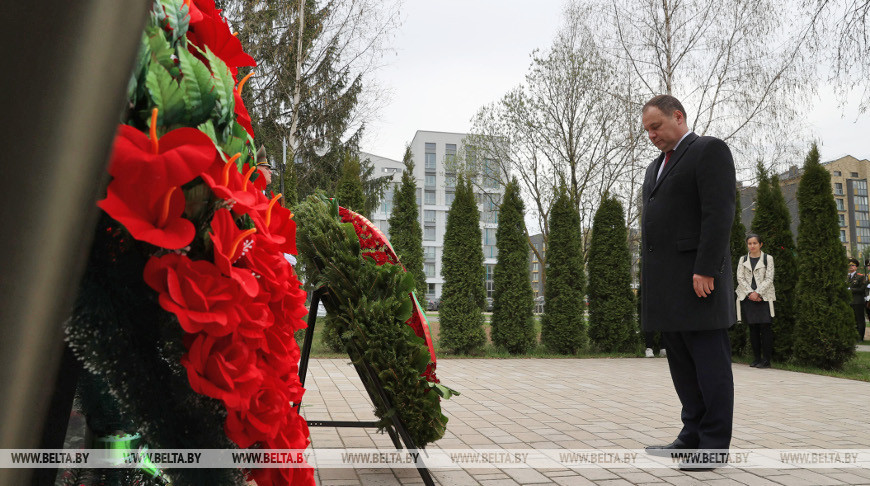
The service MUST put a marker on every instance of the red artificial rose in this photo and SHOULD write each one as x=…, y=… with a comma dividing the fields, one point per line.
x=173, y=160
x=293, y=436
x=270, y=266
x=224, y=368
x=201, y=298
x=230, y=243
x=255, y=317
x=264, y=416
x=280, y=356
x=150, y=212
x=228, y=184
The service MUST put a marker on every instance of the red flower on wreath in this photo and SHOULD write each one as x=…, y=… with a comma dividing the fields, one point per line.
x=224, y=368
x=264, y=416
x=172, y=160
x=230, y=243
x=213, y=32
x=292, y=436
x=150, y=213
x=201, y=298
x=276, y=227
x=228, y=184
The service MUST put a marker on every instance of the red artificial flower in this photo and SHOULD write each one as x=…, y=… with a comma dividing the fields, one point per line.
x=293, y=436
x=213, y=32
x=264, y=416
x=223, y=368
x=201, y=298
x=151, y=213
x=228, y=184
x=242, y=115
x=279, y=356
x=255, y=317
x=195, y=13
x=230, y=243
x=276, y=227
x=172, y=160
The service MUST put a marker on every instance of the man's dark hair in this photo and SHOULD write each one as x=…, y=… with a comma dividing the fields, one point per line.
x=667, y=104
x=854, y=260
x=753, y=235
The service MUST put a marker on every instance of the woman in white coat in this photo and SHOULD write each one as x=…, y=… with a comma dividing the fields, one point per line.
x=755, y=297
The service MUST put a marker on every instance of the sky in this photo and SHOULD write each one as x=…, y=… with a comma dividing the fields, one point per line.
x=451, y=57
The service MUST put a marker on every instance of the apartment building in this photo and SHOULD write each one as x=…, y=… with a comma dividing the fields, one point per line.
x=435, y=157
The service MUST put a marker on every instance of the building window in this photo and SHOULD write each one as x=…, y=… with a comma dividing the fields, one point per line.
x=862, y=235
x=430, y=198
x=431, y=289
x=428, y=252
x=387, y=203
x=837, y=173
x=419, y=197
x=838, y=188
x=535, y=277
x=859, y=187
x=862, y=218
x=490, y=286
x=430, y=156
x=429, y=216
x=860, y=203
x=840, y=206
x=853, y=174
x=449, y=197
x=450, y=149
x=430, y=180
x=842, y=218
x=429, y=233
x=429, y=268
x=490, y=173
x=535, y=267
x=450, y=180
x=843, y=236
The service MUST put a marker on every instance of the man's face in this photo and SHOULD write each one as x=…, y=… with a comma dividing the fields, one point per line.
x=664, y=131
x=266, y=172
x=852, y=268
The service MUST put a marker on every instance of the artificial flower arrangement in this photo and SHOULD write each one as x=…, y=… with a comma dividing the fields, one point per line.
x=186, y=315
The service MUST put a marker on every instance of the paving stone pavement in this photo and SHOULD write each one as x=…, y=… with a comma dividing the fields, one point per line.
x=597, y=404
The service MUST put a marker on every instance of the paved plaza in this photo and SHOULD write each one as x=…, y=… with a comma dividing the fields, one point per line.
x=597, y=404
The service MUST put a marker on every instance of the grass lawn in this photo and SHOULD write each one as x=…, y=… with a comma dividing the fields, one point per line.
x=856, y=369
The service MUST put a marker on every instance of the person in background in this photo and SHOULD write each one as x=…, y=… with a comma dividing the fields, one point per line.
x=755, y=297
x=649, y=338
x=858, y=286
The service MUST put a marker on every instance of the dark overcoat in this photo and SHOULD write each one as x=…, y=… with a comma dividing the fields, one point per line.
x=686, y=226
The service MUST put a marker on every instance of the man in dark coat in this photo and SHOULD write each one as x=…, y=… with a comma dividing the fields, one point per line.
x=687, y=287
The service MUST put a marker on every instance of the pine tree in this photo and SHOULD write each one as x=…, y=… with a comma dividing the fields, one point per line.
x=612, y=327
x=772, y=222
x=350, y=189
x=513, y=324
x=406, y=235
x=463, y=297
x=739, y=333
x=825, y=328
x=562, y=326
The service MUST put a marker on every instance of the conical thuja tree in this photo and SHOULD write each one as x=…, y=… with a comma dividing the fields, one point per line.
x=772, y=223
x=406, y=235
x=513, y=305
x=824, y=329
x=562, y=326
x=463, y=296
x=612, y=326
x=350, y=188
x=739, y=333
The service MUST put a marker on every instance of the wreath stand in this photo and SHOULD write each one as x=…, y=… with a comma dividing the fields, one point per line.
x=397, y=431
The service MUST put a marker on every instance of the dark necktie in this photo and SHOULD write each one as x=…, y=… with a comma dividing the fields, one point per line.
x=667, y=158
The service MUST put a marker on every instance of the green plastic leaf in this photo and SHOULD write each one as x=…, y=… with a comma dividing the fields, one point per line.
x=198, y=85
x=177, y=15
x=160, y=50
x=443, y=391
x=404, y=312
x=208, y=129
x=224, y=85
x=166, y=94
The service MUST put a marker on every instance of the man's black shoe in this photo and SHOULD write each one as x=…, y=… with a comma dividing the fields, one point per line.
x=763, y=364
x=702, y=460
x=665, y=450
x=755, y=363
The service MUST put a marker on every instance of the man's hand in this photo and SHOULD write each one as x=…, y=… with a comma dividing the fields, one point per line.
x=703, y=285
x=755, y=297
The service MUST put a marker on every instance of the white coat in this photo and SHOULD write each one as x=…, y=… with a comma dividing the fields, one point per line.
x=763, y=274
